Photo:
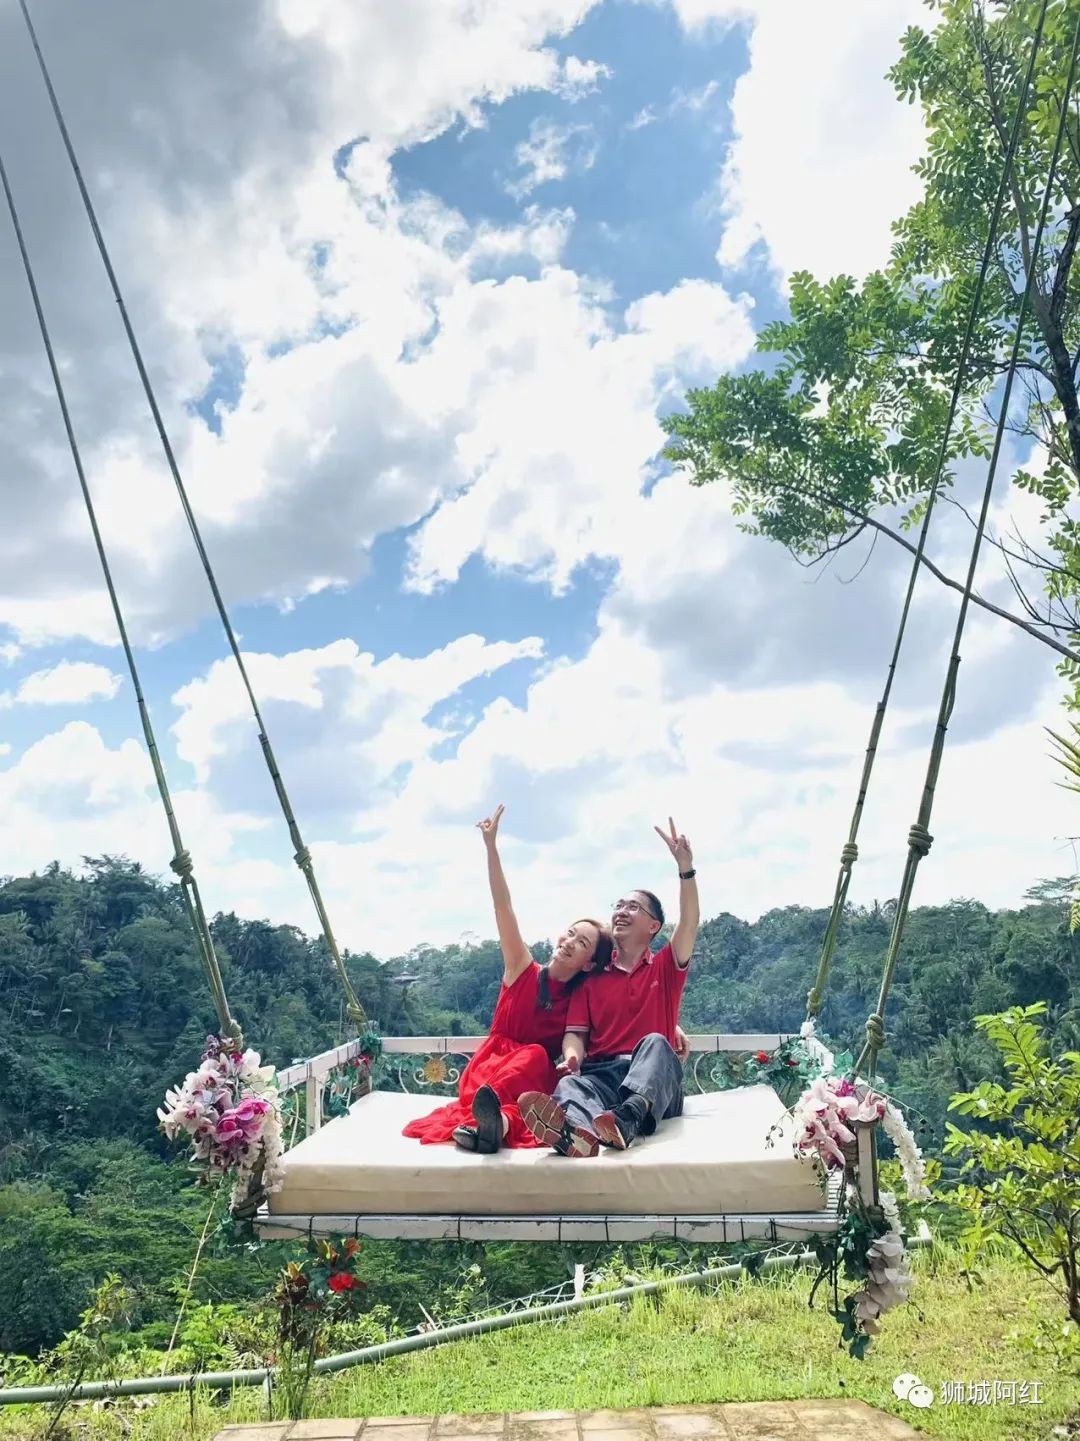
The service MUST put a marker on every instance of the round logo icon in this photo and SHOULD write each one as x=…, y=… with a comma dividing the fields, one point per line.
x=909, y=1388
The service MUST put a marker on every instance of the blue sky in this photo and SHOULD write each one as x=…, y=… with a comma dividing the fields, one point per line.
x=645, y=219
x=430, y=372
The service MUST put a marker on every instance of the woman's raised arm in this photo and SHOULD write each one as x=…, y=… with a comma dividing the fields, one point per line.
x=516, y=955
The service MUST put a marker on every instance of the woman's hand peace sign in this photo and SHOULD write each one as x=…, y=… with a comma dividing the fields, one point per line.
x=678, y=845
x=489, y=828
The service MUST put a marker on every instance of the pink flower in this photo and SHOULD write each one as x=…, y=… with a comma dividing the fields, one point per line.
x=250, y=1108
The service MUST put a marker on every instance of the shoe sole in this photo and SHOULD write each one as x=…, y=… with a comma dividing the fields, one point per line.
x=607, y=1129
x=488, y=1116
x=547, y=1121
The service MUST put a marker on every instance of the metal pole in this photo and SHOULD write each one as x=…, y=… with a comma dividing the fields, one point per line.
x=465, y=1330
x=224, y=1380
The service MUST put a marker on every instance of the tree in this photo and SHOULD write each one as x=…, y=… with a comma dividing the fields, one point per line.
x=838, y=433
x=1022, y=1179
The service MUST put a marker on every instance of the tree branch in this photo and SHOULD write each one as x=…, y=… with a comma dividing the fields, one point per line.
x=1022, y=218
x=940, y=575
x=1059, y=292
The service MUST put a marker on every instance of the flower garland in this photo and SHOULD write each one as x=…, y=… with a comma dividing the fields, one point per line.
x=888, y=1283
x=866, y=1247
x=231, y=1110
x=908, y=1154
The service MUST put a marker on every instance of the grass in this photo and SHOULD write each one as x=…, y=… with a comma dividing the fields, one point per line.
x=754, y=1340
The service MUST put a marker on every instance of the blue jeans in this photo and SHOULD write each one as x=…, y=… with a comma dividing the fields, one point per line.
x=653, y=1071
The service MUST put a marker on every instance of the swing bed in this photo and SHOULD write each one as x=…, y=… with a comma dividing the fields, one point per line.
x=726, y=1170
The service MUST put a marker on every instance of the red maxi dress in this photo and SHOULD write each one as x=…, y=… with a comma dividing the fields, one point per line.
x=517, y=1056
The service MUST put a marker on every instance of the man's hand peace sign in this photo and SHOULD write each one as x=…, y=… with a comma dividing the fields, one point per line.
x=678, y=845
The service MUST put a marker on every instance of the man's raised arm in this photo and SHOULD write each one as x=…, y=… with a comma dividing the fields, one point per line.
x=685, y=933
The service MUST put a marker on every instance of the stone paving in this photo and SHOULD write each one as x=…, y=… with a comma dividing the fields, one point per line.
x=735, y=1421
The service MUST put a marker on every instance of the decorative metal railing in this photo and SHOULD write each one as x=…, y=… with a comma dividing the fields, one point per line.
x=327, y=1085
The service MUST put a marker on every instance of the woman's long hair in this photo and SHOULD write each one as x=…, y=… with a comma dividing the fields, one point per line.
x=605, y=944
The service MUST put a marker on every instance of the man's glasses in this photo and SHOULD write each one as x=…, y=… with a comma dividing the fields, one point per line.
x=632, y=907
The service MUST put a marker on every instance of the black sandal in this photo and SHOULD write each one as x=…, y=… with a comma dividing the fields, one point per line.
x=469, y=1138
x=488, y=1115
x=466, y=1138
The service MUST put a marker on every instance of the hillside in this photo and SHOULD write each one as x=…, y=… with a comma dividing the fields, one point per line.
x=103, y=1005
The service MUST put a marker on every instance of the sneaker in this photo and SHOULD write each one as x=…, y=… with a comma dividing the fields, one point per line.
x=489, y=1120
x=621, y=1127
x=547, y=1121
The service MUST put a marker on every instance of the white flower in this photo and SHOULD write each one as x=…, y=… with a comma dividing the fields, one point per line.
x=815, y=1048
x=892, y=1211
x=910, y=1157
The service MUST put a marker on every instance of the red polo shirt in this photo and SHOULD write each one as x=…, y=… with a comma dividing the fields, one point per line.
x=615, y=1009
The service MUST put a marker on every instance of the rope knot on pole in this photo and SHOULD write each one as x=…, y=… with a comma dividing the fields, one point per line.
x=813, y=1002
x=303, y=858
x=183, y=865
x=920, y=839
x=849, y=855
x=875, y=1032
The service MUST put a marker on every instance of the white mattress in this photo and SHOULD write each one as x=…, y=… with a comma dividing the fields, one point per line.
x=712, y=1160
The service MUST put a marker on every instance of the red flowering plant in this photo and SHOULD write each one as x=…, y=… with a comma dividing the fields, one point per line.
x=310, y=1296
x=789, y=1069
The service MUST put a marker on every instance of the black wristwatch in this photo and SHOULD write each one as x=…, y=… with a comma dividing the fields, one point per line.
x=687, y=875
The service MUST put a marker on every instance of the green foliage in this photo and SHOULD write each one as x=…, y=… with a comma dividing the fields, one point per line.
x=310, y=1296
x=1020, y=1177
x=86, y=1350
x=844, y=423
x=86, y=1184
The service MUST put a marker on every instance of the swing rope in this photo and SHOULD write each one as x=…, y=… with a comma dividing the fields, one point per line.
x=301, y=853
x=850, y=852
x=181, y=862
x=919, y=837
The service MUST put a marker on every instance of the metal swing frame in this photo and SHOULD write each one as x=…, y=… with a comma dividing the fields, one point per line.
x=716, y=1229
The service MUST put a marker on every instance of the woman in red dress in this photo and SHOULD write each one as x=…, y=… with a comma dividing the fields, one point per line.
x=527, y=1029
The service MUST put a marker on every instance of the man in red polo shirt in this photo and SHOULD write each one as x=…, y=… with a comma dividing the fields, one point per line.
x=622, y=1073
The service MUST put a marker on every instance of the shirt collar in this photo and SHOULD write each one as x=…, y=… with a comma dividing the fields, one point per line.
x=646, y=960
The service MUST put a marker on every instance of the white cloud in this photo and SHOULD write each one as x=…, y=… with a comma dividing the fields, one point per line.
x=581, y=78
x=763, y=781
x=550, y=153
x=233, y=235
x=66, y=683
x=820, y=165
x=70, y=777
x=702, y=15
x=563, y=445
x=349, y=724
x=388, y=377
x=647, y=115
x=695, y=101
